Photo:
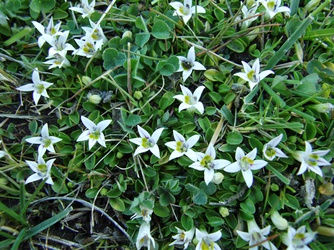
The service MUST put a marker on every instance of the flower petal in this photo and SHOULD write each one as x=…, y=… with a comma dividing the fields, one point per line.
x=198, y=66
x=27, y=87
x=193, y=140
x=102, y=125
x=88, y=123
x=155, y=150
x=208, y=175
x=33, y=177
x=84, y=136
x=248, y=177
x=232, y=168
x=156, y=134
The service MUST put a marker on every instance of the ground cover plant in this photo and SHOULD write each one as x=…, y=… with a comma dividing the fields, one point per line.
x=166, y=125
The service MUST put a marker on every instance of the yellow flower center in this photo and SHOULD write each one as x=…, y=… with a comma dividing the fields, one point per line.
x=312, y=160
x=186, y=65
x=95, y=135
x=47, y=142
x=181, y=146
x=270, y=151
x=147, y=143
x=252, y=76
x=271, y=5
x=207, y=245
x=184, y=9
x=88, y=48
x=39, y=88
x=207, y=162
x=190, y=100
x=96, y=35
x=245, y=163
x=42, y=170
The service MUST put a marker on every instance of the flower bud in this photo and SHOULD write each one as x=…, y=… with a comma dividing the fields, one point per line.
x=279, y=221
x=128, y=34
x=138, y=95
x=94, y=98
x=323, y=107
x=218, y=178
x=326, y=231
x=224, y=212
x=86, y=80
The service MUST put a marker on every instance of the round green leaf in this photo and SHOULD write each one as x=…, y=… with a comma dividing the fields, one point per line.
x=42, y=5
x=117, y=204
x=234, y=138
x=132, y=120
x=160, y=30
x=161, y=211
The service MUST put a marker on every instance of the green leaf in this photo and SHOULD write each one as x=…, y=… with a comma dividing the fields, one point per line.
x=59, y=14
x=160, y=30
x=187, y=222
x=142, y=38
x=117, y=204
x=112, y=57
x=18, y=36
x=33, y=126
x=248, y=206
x=91, y=193
x=291, y=201
x=161, y=211
x=237, y=45
x=285, y=180
x=132, y=120
x=141, y=24
x=227, y=114
x=42, y=5
x=289, y=43
x=234, y=138
x=166, y=100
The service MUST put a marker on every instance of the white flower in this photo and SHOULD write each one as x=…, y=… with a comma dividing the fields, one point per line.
x=298, y=239
x=145, y=214
x=183, y=237
x=253, y=75
x=94, y=133
x=45, y=140
x=311, y=160
x=85, y=9
x=86, y=48
x=42, y=170
x=147, y=142
x=49, y=32
x=249, y=14
x=273, y=7
x=59, y=45
x=189, y=100
x=256, y=236
x=144, y=238
x=96, y=34
x=270, y=151
x=279, y=221
x=245, y=164
x=323, y=107
x=188, y=64
x=182, y=147
x=57, y=60
x=207, y=163
x=38, y=87
x=186, y=10
x=207, y=241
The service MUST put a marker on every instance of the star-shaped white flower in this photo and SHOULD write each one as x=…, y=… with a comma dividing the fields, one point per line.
x=249, y=14
x=146, y=142
x=207, y=241
x=273, y=7
x=144, y=238
x=311, y=160
x=270, y=151
x=188, y=64
x=42, y=170
x=245, y=164
x=45, y=141
x=59, y=45
x=298, y=239
x=38, y=87
x=256, y=236
x=85, y=8
x=183, y=237
x=181, y=146
x=96, y=34
x=87, y=47
x=189, y=100
x=145, y=214
x=207, y=162
x=57, y=60
x=94, y=133
x=253, y=75
x=47, y=33
x=186, y=10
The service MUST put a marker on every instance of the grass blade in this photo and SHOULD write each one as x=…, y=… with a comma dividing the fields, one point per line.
x=289, y=43
x=12, y=214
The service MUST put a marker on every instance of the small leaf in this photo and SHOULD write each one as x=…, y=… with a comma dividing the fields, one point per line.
x=42, y=5
x=160, y=30
x=132, y=120
x=142, y=38
x=161, y=211
x=117, y=204
x=234, y=138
